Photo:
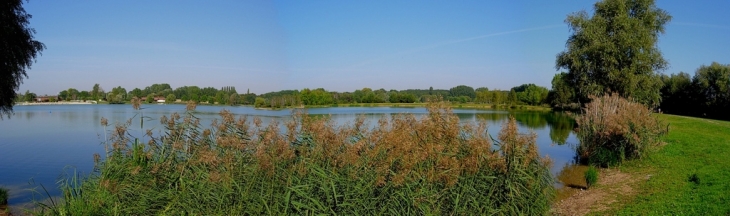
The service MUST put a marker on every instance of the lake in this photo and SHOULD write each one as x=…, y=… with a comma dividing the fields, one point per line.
x=41, y=143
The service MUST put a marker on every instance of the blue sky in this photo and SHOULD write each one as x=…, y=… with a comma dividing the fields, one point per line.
x=337, y=45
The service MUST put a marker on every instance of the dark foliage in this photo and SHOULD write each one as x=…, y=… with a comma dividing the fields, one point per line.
x=18, y=50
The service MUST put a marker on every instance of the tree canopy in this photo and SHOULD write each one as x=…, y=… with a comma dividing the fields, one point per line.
x=531, y=94
x=562, y=95
x=462, y=90
x=18, y=50
x=615, y=50
x=117, y=95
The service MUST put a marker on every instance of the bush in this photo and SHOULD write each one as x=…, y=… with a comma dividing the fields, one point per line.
x=591, y=176
x=3, y=196
x=402, y=166
x=613, y=129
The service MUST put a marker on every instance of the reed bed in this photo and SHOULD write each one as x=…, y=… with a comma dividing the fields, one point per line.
x=613, y=129
x=239, y=166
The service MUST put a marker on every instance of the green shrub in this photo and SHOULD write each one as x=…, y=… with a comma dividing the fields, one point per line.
x=403, y=166
x=591, y=176
x=613, y=129
x=3, y=196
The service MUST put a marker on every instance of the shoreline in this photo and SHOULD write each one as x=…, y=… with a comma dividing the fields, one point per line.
x=53, y=103
x=455, y=106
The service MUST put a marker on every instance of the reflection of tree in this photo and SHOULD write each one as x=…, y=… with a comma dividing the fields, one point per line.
x=492, y=117
x=561, y=124
x=532, y=120
x=573, y=176
x=463, y=116
x=560, y=127
x=29, y=115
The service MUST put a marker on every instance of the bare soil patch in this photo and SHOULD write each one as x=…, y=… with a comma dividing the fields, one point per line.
x=612, y=183
x=4, y=210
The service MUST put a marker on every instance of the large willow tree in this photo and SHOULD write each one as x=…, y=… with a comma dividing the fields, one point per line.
x=615, y=50
x=18, y=49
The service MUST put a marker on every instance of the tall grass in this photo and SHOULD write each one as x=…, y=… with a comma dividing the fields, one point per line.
x=404, y=165
x=591, y=176
x=3, y=196
x=613, y=129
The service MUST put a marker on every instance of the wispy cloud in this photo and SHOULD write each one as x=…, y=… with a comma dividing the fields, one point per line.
x=444, y=43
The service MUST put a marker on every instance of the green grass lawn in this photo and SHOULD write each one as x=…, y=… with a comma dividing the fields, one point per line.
x=690, y=175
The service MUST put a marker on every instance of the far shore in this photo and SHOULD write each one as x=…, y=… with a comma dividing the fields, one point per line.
x=54, y=103
x=455, y=105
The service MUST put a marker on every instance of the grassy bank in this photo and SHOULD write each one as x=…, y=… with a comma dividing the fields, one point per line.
x=403, y=166
x=690, y=175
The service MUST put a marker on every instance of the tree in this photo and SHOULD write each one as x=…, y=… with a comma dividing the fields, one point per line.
x=462, y=90
x=72, y=94
x=161, y=89
x=150, y=98
x=512, y=96
x=712, y=86
x=562, y=94
x=706, y=95
x=531, y=94
x=170, y=99
x=482, y=96
x=318, y=96
x=63, y=95
x=17, y=53
x=84, y=95
x=497, y=97
x=29, y=96
x=97, y=92
x=260, y=102
x=220, y=97
x=249, y=98
x=19, y=96
x=229, y=90
x=136, y=92
x=117, y=95
x=616, y=50
x=401, y=97
x=233, y=99
x=678, y=95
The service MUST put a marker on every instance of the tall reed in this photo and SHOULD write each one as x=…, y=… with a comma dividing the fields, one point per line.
x=404, y=165
x=613, y=129
x=3, y=196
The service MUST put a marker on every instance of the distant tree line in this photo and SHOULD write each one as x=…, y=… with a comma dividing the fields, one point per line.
x=225, y=95
x=526, y=94
x=529, y=94
x=706, y=94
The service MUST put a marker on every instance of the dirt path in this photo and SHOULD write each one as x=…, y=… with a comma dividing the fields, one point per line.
x=3, y=210
x=612, y=183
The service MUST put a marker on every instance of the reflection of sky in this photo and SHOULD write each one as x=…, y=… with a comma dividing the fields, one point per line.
x=39, y=143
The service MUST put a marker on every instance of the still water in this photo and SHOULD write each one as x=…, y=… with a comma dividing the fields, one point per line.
x=40, y=144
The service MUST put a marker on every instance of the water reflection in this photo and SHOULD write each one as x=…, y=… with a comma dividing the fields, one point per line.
x=561, y=125
x=29, y=115
x=532, y=120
